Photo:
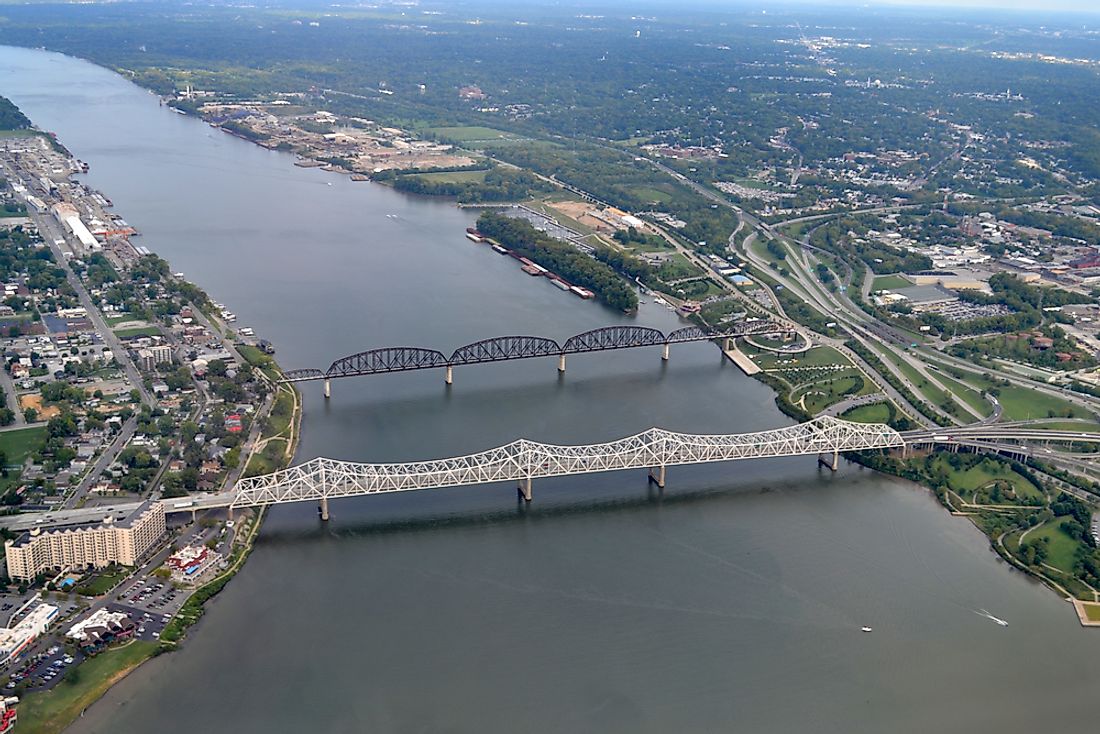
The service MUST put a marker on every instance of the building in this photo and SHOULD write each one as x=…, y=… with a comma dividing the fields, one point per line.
x=191, y=562
x=81, y=546
x=14, y=640
x=162, y=353
x=146, y=360
x=66, y=214
x=101, y=628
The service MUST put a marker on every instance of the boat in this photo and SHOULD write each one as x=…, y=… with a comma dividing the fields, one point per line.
x=501, y=250
x=865, y=629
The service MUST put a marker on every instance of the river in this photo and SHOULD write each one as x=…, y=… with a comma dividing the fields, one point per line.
x=731, y=602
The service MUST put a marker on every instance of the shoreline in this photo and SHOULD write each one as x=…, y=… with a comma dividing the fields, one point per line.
x=193, y=608
x=311, y=161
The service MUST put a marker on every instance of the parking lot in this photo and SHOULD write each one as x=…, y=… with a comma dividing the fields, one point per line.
x=44, y=670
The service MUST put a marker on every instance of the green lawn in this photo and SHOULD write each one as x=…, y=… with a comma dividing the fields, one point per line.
x=1080, y=426
x=1092, y=612
x=889, y=283
x=103, y=581
x=1021, y=403
x=1061, y=548
x=968, y=482
x=816, y=357
x=873, y=413
x=18, y=445
x=49, y=712
x=648, y=193
x=140, y=331
x=822, y=393
x=966, y=394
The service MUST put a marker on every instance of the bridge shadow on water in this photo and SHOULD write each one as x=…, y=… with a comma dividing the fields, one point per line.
x=352, y=521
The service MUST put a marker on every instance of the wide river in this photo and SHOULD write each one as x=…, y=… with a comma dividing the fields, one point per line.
x=731, y=603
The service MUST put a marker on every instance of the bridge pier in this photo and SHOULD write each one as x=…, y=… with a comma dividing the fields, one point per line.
x=449, y=376
x=524, y=489
x=664, y=354
x=322, y=509
x=328, y=389
x=832, y=464
x=657, y=475
x=561, y=363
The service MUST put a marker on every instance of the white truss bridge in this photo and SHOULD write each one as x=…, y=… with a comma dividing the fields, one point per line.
x=522, y=461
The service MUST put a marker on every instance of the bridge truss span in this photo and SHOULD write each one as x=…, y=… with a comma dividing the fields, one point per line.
x=503, y=348
x=386, y=359
x=521, y=461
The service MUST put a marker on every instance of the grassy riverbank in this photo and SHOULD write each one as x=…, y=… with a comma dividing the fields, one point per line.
x=49, y=712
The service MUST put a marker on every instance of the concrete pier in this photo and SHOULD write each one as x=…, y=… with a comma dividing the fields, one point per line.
x=664, y=354
x=742, y=360
x=328, y=389
x=657, y=476
x=322, y=509
x=831, y=463
x=449, y=376
x=561, y=363
x=524, y=489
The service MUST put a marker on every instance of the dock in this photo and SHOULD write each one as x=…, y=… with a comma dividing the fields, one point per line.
x=742, y=360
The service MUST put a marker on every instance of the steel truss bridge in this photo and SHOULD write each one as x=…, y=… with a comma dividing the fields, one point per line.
x=522, y=461
x=504, y=348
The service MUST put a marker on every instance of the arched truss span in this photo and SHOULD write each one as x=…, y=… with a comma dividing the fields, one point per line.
x=387, y=359
x=503, y=348
x=613, y=337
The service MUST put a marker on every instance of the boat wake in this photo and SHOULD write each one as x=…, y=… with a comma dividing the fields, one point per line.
x=987, y=615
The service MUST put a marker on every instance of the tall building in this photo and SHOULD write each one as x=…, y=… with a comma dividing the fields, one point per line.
x=82, y=546
x=161, y=353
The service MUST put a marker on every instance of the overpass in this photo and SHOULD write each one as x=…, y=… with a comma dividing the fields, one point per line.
x=505, y=348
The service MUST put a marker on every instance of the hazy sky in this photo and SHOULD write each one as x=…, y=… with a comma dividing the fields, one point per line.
x=1082, y=5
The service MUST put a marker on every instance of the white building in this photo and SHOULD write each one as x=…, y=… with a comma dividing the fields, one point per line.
x=66, y=214
x=14, y=640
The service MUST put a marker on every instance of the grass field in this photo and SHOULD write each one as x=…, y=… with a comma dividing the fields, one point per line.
x=471, y=133
x=873, y=413
x=648, y=193
x=1060, y=547
x=822, y=393
x=51, y=711
x=1092, y=612
x=18, y=445
x=966, y=394
x=816, y=357
x=140, y=331
x=889, y=283
x=968, y=482
x=454, y=176
x=1020, y=403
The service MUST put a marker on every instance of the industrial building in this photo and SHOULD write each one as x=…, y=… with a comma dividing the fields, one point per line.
x=83, y=546
x=14, y=640
x=67, y=215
